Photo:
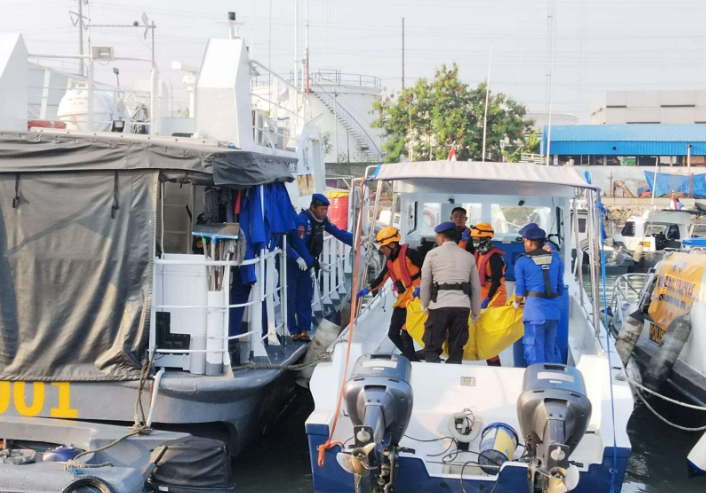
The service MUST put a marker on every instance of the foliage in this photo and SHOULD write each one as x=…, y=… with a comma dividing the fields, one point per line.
x=532, y=143
x=512, y=157
x=434, y=116
x=326, y=138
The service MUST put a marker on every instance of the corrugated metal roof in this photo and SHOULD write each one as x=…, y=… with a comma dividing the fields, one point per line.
x=626, y=140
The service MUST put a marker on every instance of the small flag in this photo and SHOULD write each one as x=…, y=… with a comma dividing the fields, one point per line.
x=452, y=154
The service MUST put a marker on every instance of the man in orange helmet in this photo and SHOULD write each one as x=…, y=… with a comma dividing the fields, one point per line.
x=404, y=267
x=491, y=269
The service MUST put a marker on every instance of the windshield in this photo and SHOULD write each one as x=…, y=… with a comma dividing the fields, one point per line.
x=699, y=231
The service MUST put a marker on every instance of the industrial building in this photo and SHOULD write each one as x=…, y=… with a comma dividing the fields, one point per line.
x=649, y=107
x=627, y=145
x=619, y=155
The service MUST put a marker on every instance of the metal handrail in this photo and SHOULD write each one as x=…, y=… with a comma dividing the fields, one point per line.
x=338, y=78
x=625, y=292
x=341, y=111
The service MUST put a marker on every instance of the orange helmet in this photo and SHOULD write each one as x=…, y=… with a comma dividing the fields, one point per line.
x=482, y=230
x=388, y=235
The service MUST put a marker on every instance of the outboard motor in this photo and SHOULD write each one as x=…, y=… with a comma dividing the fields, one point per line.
x=554, y=412
x=379, y=401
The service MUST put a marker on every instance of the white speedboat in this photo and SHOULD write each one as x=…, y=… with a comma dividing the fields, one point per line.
x=649, y=236
x=661, y=317
x=382, y=423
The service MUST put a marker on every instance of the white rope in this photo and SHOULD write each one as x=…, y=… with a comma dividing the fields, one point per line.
x=673, y=401
x=665, y=420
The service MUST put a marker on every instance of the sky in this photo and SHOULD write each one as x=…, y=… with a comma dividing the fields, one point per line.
x=598, y=45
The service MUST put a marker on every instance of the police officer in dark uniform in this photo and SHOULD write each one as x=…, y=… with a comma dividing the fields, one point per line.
x=539, y=276
x=303, y=251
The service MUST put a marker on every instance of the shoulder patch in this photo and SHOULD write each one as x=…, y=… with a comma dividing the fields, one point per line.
x=301, y=230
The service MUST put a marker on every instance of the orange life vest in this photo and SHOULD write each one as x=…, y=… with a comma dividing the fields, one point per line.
x=483, y=264
x=404, y=274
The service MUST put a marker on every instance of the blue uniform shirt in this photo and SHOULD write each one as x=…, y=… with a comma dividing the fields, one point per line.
x=297, y=241
x=529, y=277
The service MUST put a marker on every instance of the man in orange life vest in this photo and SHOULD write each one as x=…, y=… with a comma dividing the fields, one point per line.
x=403, y=266
x=491, y=269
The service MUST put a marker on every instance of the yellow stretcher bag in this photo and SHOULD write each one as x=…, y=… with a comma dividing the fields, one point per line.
x=497, y=329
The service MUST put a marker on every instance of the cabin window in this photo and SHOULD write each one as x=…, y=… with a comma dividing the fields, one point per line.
x=673, y=232
x=412, y=209
x=582, y=225
x=509, y=219
x=628, y=229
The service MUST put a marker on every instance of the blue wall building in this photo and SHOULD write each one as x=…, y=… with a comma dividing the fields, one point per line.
x=634, y=144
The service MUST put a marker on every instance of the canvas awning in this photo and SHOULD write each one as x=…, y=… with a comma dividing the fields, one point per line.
x=31, y=152
x=77, y=243
x=482, y=178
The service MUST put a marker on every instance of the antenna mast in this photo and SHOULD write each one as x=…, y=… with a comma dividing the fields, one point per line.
x=403, y=53
x=487, y=98
x=79, y=22
x=550, y=24
x=307, y=46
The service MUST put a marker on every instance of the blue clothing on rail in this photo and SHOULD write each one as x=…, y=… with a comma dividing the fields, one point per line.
x=263, y=229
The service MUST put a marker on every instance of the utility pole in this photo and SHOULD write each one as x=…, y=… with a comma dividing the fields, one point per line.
x=403, y=53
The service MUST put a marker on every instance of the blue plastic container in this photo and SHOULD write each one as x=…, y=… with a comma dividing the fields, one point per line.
x=497, y=446
x=60, y=454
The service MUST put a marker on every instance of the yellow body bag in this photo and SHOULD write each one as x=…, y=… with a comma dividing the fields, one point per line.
x=496, y=330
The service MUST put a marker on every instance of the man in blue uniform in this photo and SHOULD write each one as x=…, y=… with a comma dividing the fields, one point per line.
x=539, y=275
x=303, y=250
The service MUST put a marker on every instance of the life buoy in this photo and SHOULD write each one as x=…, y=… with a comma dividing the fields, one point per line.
x=429, y=220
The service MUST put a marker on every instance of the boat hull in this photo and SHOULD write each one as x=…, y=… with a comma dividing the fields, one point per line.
x=234, y=409
x=413, y=476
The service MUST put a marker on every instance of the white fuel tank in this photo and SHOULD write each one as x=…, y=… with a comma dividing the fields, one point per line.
x=73, y=110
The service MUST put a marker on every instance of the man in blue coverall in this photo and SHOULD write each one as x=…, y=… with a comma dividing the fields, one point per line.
x=303, y=250
x=539, y=275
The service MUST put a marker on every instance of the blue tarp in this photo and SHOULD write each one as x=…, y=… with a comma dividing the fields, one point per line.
x=666, y=184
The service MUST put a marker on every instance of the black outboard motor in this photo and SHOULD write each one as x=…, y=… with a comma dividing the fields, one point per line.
x=554, y=413
x=379, y=401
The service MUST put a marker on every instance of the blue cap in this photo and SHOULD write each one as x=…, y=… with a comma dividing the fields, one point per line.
x=445, y=226
x=533, y=232
x=319, y=199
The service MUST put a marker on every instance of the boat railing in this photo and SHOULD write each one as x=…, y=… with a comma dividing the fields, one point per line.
x=626, y=290
x=265, y=292
x=330, y=285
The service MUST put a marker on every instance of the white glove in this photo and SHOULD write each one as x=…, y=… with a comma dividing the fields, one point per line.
x=515, y=305
x=475, y=318
x=301, y=263
x=325, y=267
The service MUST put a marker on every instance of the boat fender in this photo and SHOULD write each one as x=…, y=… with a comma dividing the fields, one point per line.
x=461, y=428
x=325, y=335
x=629, y=334
x=696, y=460
x=661, y=364
x=80, y=484
x=637, y=254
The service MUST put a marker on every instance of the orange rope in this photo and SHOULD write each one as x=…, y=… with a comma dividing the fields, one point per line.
x=354, y=302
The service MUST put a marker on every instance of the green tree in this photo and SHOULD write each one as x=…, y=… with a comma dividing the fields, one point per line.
x=431, y=117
